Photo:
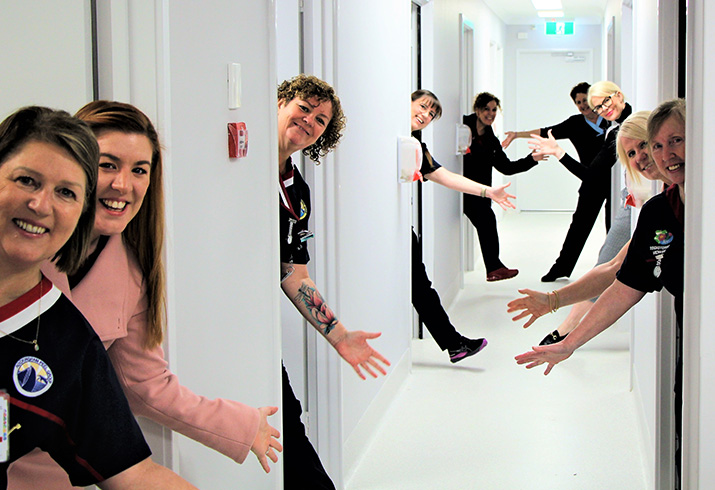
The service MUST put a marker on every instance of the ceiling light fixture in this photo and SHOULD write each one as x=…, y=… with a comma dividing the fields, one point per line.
x=547, y=4
x=551, y=13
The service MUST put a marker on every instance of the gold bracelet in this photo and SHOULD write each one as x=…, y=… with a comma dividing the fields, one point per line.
x=548, y=297
x=557, y=301
x=484, y=192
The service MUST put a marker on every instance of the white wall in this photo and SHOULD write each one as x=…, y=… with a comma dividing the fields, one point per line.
x=644, y=96
x=443, y=220
x=224, y=233
x=699, y=355
x=372, y=214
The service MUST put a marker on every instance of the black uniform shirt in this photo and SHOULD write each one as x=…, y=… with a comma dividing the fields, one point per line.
x=655, y=255
x=583, y=137
x=294, y=216
x=65, y=396
x=429, y=164
x=486, y=152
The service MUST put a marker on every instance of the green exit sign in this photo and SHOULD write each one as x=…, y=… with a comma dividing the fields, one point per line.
x=559, y=28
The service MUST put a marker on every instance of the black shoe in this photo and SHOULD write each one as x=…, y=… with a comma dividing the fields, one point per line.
x=468, y=347
x=553, y=275
x=552, y=338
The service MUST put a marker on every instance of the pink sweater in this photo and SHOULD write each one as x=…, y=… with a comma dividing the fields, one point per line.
x=112, y=297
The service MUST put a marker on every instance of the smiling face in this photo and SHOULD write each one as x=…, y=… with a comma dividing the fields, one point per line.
x=668, y=149
x=581, y=102
x=301, y=123
x=488, y=114
x=639, y=159
x=42, y=191
x=124, y=171
x=609, y=107
x=423, y=113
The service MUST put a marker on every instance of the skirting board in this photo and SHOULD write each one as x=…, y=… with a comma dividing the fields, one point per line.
x=358, y=442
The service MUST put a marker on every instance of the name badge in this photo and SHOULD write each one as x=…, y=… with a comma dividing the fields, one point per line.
x=4, y=427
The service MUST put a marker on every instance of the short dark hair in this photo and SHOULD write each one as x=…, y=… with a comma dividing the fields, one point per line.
x=309, y=86
x=484, y=98
x=55, y=127
x=436, y=105
x=581, y=88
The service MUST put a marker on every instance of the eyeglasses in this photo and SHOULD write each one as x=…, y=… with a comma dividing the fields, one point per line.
x=605, y=104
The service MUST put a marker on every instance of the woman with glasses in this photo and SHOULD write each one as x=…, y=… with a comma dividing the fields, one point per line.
x=586, y=131
x=607, y=100
x=485, y=153
x=634, y=154
x=654, y=259
x=426, y=108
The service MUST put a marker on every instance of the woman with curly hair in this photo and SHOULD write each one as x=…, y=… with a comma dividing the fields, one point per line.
x=310, y=120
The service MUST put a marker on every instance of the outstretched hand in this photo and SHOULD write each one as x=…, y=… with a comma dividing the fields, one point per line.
x=551, y=354
x=353, y=347
x=510, y=136
x=266, y=442
x=541, y=147
x=500, y=196
x=535, y=303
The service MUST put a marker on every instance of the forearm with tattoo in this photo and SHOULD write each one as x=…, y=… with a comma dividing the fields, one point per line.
x=316, y=306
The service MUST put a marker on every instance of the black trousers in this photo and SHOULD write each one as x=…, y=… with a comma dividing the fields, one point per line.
x=479, y=211
x=592, y=195
x=427, y=303
x=302, y=468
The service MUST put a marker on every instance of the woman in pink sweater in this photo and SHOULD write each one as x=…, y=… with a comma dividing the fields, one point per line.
x=120, y=289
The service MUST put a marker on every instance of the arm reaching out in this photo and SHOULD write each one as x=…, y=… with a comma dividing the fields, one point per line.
x=612, y=304
x=545, y=146
x=145, y=475
x=460, y=183
x=266, y=442
x=588, y=286
x=351, y=345
x=512, y=135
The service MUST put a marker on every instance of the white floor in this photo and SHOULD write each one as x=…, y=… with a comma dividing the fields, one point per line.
x=487, y=423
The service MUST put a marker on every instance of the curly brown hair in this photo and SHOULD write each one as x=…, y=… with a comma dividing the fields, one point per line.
x=306, y=87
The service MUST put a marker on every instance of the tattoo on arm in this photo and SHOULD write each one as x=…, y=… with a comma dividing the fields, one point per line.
x=319, y=310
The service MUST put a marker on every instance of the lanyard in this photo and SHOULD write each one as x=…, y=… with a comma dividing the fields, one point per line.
x=283, y=192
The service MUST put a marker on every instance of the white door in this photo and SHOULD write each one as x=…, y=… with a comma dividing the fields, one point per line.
x=544, y=81
x=50, y=73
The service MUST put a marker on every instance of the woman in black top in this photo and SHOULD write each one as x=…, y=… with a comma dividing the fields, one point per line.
x=654, y=259
x=426, y=108
x=486, y=153
x=608, y=101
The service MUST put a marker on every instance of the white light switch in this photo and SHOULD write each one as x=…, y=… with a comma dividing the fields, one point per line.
x=234, y=85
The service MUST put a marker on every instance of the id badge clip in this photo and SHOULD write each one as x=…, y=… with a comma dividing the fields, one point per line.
x=305, y=235
x=4, y=427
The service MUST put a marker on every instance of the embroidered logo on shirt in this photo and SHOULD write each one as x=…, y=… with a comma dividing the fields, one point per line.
x=663, y=237
x=303, y=209
x=32, y=376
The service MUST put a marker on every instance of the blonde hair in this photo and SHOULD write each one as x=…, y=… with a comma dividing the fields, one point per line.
x=635, y=128
x=603, y=89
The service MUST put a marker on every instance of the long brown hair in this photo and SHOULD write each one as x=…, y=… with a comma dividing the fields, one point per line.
x=144, y=235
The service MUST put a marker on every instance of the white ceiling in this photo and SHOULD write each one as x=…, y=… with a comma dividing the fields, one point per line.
x=523, y=12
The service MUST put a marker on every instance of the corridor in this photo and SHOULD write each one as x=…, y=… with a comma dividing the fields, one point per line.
x=489, y=424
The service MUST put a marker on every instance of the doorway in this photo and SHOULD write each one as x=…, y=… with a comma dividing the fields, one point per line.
x=540, y=97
